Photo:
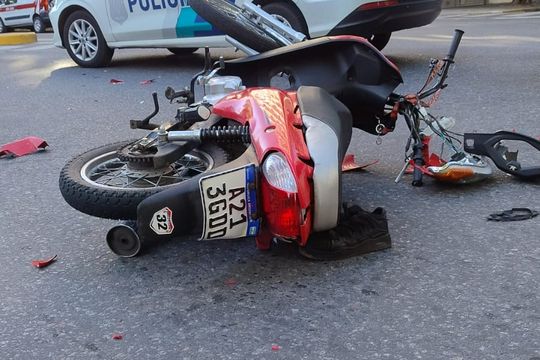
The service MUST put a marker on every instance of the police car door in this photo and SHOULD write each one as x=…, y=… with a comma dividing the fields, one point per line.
x=17, y=12
x=143, y=20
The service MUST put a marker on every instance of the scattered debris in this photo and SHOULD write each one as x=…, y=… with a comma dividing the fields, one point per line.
x=516, y=214
x=276, y=347
x=24, y=146
x=117, y=336
x=146, y=82
x=349, y=164
x=44, y=263
x=232, y=282
x=116, y=81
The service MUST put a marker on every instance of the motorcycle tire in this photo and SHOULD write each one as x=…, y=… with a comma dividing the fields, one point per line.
x=230, y=19
x=92, y=194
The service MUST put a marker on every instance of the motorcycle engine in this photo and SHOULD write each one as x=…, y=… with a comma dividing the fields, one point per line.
x=218, y=87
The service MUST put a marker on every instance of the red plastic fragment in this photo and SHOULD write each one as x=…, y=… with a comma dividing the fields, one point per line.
x=276, y=347
x=146, y=82
x=44, y=263
x=24, y=146
x=349, y=164
x=117, y=337
x=116, y=81
x=232, y=282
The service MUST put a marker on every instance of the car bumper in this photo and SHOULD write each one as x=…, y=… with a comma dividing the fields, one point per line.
x=405, y=15
x=54, y=13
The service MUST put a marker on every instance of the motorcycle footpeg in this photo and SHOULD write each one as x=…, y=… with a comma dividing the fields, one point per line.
x=494, y=146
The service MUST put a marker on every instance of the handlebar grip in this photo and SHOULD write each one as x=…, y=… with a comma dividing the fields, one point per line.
x=417, y=177
x=455, y=44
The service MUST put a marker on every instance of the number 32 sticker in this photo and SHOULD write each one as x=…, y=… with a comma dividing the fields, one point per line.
x=162, y=223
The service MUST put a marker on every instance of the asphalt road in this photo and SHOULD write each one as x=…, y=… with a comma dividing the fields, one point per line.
x=453, y=286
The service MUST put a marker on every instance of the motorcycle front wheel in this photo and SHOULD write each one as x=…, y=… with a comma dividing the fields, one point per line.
x=230, y=19
x=101, y=184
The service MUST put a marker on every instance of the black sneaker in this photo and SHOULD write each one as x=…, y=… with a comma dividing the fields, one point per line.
x=358, y=232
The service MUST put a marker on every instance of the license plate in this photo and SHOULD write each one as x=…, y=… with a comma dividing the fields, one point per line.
x=230, y=204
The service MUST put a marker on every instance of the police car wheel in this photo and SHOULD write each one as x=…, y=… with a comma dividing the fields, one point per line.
x=3, y=28
x=380, y=40
x=288, y=15
x=38, y=24
x=84, y=41
x=182, y=51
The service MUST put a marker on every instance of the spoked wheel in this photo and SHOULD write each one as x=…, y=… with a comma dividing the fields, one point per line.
x=100, y=183
x=231, y=20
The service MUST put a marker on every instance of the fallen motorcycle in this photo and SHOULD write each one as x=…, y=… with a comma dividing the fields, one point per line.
x=250, y=159
x=252, y=30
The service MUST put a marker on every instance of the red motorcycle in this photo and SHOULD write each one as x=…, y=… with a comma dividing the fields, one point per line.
x=258, y=161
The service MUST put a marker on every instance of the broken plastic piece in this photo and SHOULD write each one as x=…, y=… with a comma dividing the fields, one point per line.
x=44, y=263
x=462, y=169
x=516, y=214
x=147, y=82
x=116, y=81
x=24, y=146
x=117, y=337
x=276, y=347
x=349, y=164
x=231, y=282
x=491, y=145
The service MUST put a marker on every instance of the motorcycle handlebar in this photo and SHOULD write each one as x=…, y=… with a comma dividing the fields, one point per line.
x=455, y=44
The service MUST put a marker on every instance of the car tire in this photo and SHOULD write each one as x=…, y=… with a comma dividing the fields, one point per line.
x=380, y=40
x=182, y=51
x=287, y=14
x=84, y=41
x=3, y=27
x=38, y=24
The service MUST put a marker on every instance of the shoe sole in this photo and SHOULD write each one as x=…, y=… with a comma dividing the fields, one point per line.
x=379, y=243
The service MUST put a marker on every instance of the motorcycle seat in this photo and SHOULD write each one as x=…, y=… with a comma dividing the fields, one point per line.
x=328, y=134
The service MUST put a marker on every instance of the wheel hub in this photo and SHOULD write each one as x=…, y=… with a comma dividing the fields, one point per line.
x=83, y=40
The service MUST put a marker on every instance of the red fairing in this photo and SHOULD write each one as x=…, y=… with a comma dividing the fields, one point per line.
x=275, y=126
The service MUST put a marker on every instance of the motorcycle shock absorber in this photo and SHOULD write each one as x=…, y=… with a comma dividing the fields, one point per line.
x=220, y=134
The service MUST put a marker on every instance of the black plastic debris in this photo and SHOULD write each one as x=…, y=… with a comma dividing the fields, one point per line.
x=516, y=214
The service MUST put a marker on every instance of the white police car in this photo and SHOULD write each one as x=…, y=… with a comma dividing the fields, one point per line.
x=24, y=13
x=90, y=30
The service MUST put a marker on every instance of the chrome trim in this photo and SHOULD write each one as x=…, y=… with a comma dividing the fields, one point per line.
x=237, y=44
x=274, y=24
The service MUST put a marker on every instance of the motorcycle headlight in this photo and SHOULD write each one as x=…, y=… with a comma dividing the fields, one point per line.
x=278, y=173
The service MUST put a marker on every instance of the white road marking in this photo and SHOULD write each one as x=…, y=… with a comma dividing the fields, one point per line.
x=498, y=15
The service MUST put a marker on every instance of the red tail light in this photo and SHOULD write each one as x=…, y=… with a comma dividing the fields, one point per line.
x=379, y=4
x=279, y=197
x=281, y=210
